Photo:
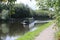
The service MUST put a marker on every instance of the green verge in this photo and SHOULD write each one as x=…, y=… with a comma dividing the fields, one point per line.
x=57, y=35
x=33, y=34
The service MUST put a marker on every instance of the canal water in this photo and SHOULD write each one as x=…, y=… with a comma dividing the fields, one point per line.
x=11, y=31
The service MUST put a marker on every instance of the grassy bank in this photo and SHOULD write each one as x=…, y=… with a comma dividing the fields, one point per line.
x=57, y=35
x=33, y=34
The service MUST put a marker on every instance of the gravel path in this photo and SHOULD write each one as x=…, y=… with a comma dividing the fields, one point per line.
x=47, y=34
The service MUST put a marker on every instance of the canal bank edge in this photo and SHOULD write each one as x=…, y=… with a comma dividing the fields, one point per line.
x=32, y=35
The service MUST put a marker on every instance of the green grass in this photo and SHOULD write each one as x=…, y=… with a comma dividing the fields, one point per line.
x=33, y=34
x=57, y=35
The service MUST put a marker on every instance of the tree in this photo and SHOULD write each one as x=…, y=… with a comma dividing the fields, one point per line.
x=41, y=4
x=3, y=0
x=22, y=11
x=10, y=3
x=7, y=5
x=54, y=4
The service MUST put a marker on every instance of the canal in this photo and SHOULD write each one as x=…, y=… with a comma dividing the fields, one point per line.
x=11, y=31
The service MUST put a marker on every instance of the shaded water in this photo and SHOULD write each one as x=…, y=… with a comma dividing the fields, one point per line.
x=10, y=31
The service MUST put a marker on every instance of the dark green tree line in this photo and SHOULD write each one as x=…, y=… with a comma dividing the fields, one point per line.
x=54, y=4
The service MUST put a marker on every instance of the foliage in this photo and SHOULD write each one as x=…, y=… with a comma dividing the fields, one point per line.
x=41, y=4
x=3, y=0
x=44, y=14
x=54, y=4
x=0, y=8
x=10, y=3
x=3, y=6
x=22, y=11
x=18, y=10
x=7, y=0
x=57, y=35
x=4, y=14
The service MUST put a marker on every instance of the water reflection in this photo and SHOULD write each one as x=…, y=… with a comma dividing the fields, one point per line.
x=10, y=31
x=13, y=30
x=4, y=28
